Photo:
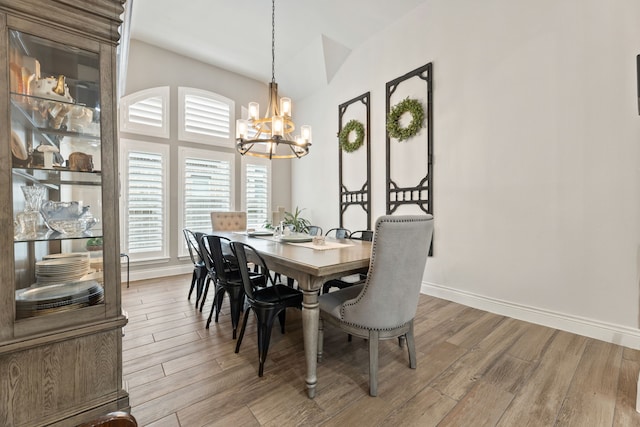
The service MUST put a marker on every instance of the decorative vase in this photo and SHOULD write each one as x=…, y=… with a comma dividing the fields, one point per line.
x=29, y=219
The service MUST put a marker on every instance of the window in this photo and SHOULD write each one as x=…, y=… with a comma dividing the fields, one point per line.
x=256, y=191
x=146, y=112
x=206, y=185
x=145, y=196
x=205, y=117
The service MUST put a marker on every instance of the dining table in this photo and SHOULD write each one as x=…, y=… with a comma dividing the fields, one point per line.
x=311, y=265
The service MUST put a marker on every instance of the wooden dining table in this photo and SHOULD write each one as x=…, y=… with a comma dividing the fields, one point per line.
x=311, y=268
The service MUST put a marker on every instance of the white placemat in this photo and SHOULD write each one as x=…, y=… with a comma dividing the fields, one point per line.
x=327, y=245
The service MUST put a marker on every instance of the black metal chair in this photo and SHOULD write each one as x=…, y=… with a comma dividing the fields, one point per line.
x=338, y=233
x=355, y=279
x=366, y=235
x=230, y=263
x=199, y=268
x=266, y=298
x=314, y=230
x=225, y=276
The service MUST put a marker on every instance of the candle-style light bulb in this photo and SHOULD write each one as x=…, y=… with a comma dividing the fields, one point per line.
x=277, y=126
x=285, y=107
x=254, y=111
x=306, y=133
x=242, y=129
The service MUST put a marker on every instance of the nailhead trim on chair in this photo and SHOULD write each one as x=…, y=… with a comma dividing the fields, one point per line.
x=371, y=270
x=229, y=221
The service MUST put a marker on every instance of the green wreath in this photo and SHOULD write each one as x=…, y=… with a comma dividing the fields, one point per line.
x=343, y=136
x=411, y=106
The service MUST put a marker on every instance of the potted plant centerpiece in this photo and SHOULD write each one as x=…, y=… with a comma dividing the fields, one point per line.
x=296, y=220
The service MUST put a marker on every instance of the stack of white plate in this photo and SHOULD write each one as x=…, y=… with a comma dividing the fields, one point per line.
x=62, y=268
x=38, y=300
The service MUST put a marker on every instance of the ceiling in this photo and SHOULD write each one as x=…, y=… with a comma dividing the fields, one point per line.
x=313, y=38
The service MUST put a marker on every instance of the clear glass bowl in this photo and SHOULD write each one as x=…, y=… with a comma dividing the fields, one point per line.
x=70, y=218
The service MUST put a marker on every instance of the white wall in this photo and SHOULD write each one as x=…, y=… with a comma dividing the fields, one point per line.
x=537, y=150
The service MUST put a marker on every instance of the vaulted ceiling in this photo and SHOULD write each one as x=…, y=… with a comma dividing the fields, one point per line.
x=313, y=38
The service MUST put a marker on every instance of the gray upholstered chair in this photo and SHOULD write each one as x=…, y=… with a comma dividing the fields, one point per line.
x=383, y=307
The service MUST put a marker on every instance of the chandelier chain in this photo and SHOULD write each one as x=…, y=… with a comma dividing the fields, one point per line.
x=273, y=41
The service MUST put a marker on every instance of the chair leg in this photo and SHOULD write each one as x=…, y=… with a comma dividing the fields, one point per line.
x=200, y=279
x=412, y=347
x=244, y=326
x=373, y=363
x=193, y=284
x=265, y=324
x=320, y=338
x=219, y=291
x=282, y=316
x=203, y=289
x=204, y=293
x=236, y=301
x=213, y=307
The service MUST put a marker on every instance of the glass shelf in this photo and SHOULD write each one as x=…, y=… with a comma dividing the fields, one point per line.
x=58, y=176
x=45, y=235
x=27, y=107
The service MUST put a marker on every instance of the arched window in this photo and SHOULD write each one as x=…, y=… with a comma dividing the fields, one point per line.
x=205, y=117
x=146, y=112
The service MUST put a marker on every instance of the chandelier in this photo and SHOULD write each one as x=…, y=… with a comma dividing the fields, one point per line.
x=272, y=136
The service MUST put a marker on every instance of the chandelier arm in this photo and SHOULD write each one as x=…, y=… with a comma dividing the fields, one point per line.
x=294, y=151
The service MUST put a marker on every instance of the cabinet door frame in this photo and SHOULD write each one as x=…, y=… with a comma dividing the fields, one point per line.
x=87, y=319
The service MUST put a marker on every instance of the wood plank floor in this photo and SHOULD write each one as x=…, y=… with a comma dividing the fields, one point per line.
x=474, y=369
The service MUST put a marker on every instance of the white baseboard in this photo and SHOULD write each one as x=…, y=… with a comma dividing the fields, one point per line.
x=616, y=334
x=153, y=272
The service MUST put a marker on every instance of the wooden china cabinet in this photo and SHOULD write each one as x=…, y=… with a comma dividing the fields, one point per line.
x=60, y=313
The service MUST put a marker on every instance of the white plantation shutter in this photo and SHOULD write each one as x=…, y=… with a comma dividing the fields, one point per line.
x=256, y=190
x=206, y=184
x=257, y=195
x=146, y=214
x=146, y=112
x=205, y=117
x=207, y=188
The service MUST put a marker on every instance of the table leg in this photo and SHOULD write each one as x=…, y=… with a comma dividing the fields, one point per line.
x=310, y=317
